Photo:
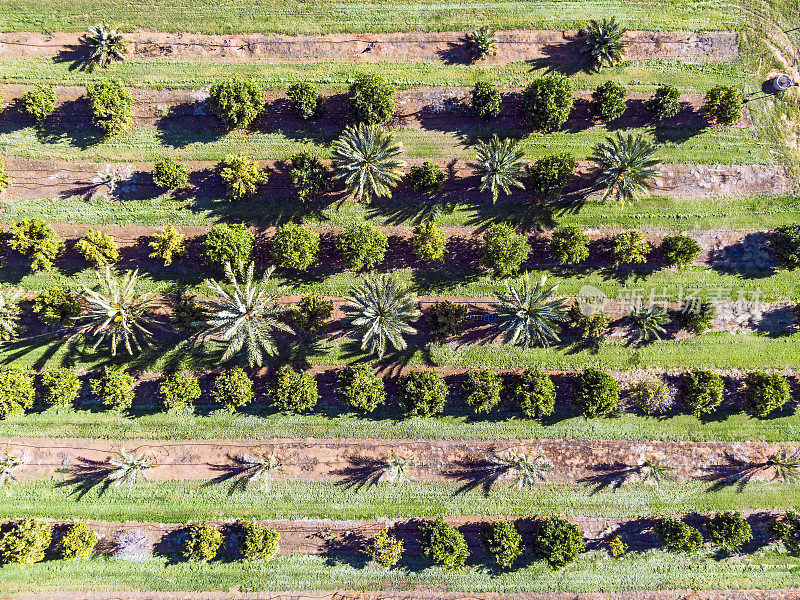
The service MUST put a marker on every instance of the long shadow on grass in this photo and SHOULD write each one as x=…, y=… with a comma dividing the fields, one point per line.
x=88, y=475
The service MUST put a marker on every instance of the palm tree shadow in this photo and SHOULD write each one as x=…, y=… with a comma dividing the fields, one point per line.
x=609, y=475
x=735, y=472
x=239, y=471
x=88, y=475
x=360, y=473
x=477, y=473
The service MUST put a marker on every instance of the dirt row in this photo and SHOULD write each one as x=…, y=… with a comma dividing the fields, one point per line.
x=36, y=179
x=539, y=47
x=434, y=108
x=360, y=461
x=785, y=594
x=329, y=537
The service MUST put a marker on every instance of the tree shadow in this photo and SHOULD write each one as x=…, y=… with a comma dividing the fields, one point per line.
x=750, y=257
x=239, y=471
x=610, y=475
x=734, y=472
x=71, y=123
x=88, y=475
x=477, y=473
x=189, y=123
x=76, y=56
x=565, y=58
x=345, y=547
x=361, y=472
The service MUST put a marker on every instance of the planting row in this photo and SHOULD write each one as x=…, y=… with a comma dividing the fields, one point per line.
x=554, y=540
x=425, y=393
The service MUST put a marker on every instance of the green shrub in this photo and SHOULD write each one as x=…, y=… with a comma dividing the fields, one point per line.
x=294, y=391
x=295, y=246
x=504, y=250
x=386, y=550
x=702, y=391
x=168, y=244
x=596, y=393
x=787, y=530
x=187, y=312
x=98, y=248
x=569, y=245
x=487, y=102
x=361, y=388
x=233, y=389
x=228, y=244
x=371, y=99
x=679, y=250
x=723, y=104
x=629, y=247
x=78, y=541
x=422, y=393
x=427, y=178
x=698, y=319
x=61, y=387
x=664, y=103
x=39, y=102
x=503, y=543
x=765, y=393
x=362, y=246
x=547, y=102
x=785, y=243
x=241, y=175
x=677, y=536
x=535, y=393
x=36, y=239
x=608, y=100
x=482, y=390
x=259, y=543
x=5, y=178
x=312, y=313
x=306, y=101
x=111, y=104
x=549, y=175
x=559, y=542
x=446, y=318
x=170, y=174
x=592, y=323
x=114, y=387
x=57, y=307
x=444, y=544
x=179, y=389
x=202, y=542
x=237, y=102
x=617, y=546
x=309, y=176
x=729, y=530
x=651, y=396
x=17, y=392
x=429, y=242
x=25, y=542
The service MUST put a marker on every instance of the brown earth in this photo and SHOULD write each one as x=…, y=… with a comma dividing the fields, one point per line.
x=540, y=47
x=329, y=537
x=354, y=461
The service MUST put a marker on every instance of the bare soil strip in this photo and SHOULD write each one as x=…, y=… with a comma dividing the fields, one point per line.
x=544, y=47
x=325, y=536
x=428, y=107
x=361, y=460
x=33, y=179
x=785, y=594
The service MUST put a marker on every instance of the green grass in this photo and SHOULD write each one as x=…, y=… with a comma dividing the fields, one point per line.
x=298, y=16
x=677, y=145
x=766, y=568
x=762, y=212
x=180, y=501
x=259, y=421
x=641, y=76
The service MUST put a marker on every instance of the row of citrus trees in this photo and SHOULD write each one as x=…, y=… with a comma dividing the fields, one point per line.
x=425, y=393
x=555, y=541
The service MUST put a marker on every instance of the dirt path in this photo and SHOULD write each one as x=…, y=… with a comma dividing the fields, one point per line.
x=361, y=460
x=35, y=179
x=543, y=47
x=329, y=537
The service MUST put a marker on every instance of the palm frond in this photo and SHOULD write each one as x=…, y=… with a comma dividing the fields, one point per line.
x=601, y=42
x=655, y=471
x=787, y=466
x=8, y=462
x=128, y=469
x=365, y=158
x=482, y=43
x=527, y=314
x=499, y=164
x=624, y=166
x=527, y=469
x=9, y=314
x=648, y=323
x=105, y=45
x=395, y=468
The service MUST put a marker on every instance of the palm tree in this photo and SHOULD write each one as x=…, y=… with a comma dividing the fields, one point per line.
x=105, y=45
x=380, y=307
x=648, y=323
x=655, y=471
x=527, y=314
x=395, y=468
x=9, y=314
x=624, y=164
x=365, y=157
x=259, y=467
x=602, y=43
x=247, y=318
x=527, y=468
x=786, y=465
x=499, y=166
x=128, y=469
x=8, y=462
x=481, y=43
x=117, y=313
